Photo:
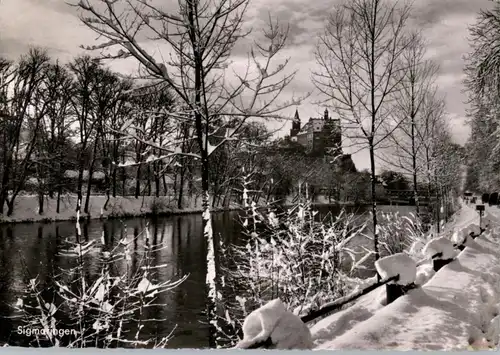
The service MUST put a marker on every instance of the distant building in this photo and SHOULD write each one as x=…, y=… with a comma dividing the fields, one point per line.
x=320, y=136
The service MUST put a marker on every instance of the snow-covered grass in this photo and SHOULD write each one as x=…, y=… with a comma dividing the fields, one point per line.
x=456, y=308
x=26, y=208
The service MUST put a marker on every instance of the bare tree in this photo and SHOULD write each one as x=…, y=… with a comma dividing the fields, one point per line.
x=434, y=137
x=21, y=120
x=201, y=35
x=359, y=58
x=116, y=109
x=150, y=106
x=86, y=73
x=415, y=84
x=7, y=76
x=56, y=126
x=109, y=99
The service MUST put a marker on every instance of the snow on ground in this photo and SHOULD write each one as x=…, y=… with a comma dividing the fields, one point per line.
x=272, y=320
x=26, y=207
x=459, y=236
x=425, y=271
x=339, y=323
x=454, y=308
x=465, y=216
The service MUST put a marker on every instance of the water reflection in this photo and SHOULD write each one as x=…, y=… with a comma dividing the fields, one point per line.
x=37, y=246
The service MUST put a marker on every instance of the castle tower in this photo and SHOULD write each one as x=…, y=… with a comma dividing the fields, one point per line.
x=332, y=135
x=295, y=125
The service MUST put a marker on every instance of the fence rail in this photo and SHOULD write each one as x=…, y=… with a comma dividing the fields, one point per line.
x=338, y=303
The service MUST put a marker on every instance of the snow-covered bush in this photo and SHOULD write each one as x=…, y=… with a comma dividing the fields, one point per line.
x=398, y=234
x=288, y=255
x=106, y=312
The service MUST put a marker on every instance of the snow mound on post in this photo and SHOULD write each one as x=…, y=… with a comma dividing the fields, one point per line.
x=474, y=228
x=486, y=222
x=440, y=246
x=285, y=329
x=424, y=273
x=459, y=236
x=398, y=264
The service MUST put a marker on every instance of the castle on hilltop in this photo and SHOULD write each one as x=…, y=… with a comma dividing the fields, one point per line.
x=320, y=136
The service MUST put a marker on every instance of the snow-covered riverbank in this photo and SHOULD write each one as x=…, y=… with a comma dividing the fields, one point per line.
x=26, y=208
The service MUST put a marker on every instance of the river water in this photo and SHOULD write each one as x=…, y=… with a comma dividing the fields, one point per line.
x=31, y=249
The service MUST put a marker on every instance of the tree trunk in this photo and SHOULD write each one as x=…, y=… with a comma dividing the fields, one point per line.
x=40, y=202
x=51, y=187
x=138, y=181
x=107, y=181
x=91, y=172
x=164, y=180
x=414, y=166
x=148, y=179
x=124, y=176
x=157, y=183
x=209, y=240
x=4, y=195
x=58, y=203
x=89, y=188
x=114, y=180
x=438, y=208
x=79, y=187
x=10, y=205
x=114, y=172
x=180, y=197
x=156, y=172
x=374, y=203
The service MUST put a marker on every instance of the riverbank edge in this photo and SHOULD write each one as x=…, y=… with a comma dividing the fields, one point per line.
x=26, y=209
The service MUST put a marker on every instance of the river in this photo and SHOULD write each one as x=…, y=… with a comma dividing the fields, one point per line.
x=31, y=249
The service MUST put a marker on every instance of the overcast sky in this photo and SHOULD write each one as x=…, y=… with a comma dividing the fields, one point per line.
x=54, y=25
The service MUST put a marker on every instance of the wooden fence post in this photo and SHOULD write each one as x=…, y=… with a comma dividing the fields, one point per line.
x=441, y=251
x=397, y=264
x=439, y=263
x=393, y=292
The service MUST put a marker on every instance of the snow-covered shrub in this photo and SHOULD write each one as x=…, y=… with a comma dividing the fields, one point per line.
x=288, y=255
x=106, y=312
x=398, y=234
